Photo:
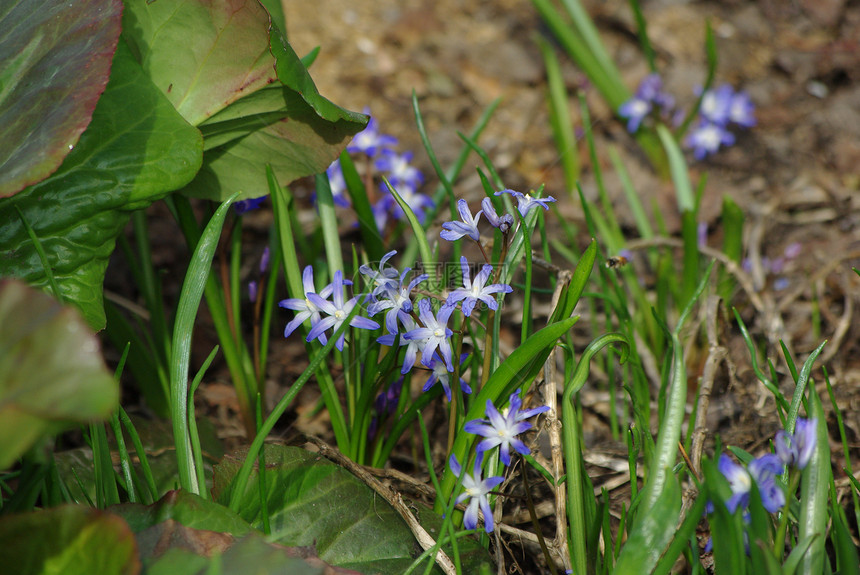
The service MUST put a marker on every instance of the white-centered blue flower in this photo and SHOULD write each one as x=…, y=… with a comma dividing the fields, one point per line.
x=439, y=373
x=381, y=279
x=337, y=183
x=475, y=491
x=396, y=299
x=716, y=105
x=435, y=333
x=399, y=170
x=634, y=110
x=413, y=346
x=763, y=471
x=502, y=429
x=472, y=291
x=525, y=202
x=370, y=140
x=796, y=448
x=419, y=203
x=307, y=309
x=338, y=311
x=742, y=110
x=707, y=138
x=452, y=231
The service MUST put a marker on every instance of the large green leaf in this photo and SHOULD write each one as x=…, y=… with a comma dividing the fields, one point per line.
x=183, y=507
x=70, y=540
x=314, y=502
x=252, y=554
x=298, y=145
x=652, y=533
x=52, y=374
x=225, y=82
x=136, y=150
x=203, y=55
x=55, y=59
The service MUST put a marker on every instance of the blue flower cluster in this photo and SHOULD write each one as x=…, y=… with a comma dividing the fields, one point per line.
x=792, y=449
x=720, y=108
x=500, y=430
x=402, y=175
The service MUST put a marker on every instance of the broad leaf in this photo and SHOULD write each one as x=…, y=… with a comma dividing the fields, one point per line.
x=136, y=150
x=55, y=59
x=185, y=508
x=300, y=144
x=652, y=533
x=225, y=81
x=52, y=374
x=252, y=554
x=314, y=502
x=202, y=55
x=72, y=540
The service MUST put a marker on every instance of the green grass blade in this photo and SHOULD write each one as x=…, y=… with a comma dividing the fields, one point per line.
x=800, y=388
x=573, y=451
x=559, y=114
x=328, y=223
x=642, y=33
x=814, y=486
x=427, y=259
x=186, y=315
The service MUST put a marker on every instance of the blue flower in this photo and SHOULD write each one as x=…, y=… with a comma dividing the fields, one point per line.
x=370, y=141
x=475, y=490
x=264, y=260
x=525, y=202
x=741, y=110
x=452, y=231
x=337, y=183
x=441, y=374
x=796, y=448
x=716, y=105
x=382, y=279
x=412, y=346
x=434, y=334
x=380, y=210
x=763, y=471
x=474, y=291
x=635, y=109
x=504, y=223
x=337, y=310
x=651, y=90
x=707, y=139
x=502, y=429
x=306, y=308
x=244, y=206
x=648, y=95
x=400, y=171
x=398, y=302
x=419, y=203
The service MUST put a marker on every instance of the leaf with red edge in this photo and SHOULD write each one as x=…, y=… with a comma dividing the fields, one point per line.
x=56, y=60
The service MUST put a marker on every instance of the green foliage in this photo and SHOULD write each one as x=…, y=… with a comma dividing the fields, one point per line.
x=56, y=66
x=71, y=539
x=312, y=501
x=52, y=374
x=188, y=65
x=135, y=150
